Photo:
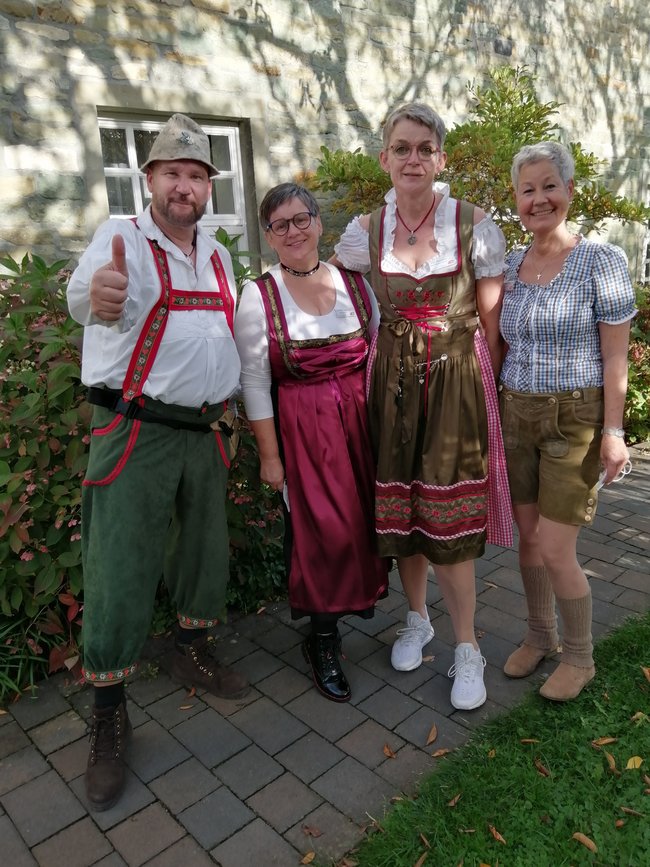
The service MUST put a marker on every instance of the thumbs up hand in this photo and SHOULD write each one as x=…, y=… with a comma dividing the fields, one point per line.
x=109, y=284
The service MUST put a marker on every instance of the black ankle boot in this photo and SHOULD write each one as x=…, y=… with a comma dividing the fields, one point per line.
x=321, y=652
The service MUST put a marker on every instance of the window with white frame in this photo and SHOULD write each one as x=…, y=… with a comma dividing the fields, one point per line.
x=125, y=146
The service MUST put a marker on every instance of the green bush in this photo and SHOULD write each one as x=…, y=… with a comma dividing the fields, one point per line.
x=44, y=437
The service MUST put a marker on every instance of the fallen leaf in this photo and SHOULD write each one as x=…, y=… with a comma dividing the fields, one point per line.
x=646, y=672
x=191, y=692
x=310, y=831
x=467, y=830
x=388, y=752
x=633, y=763
x=185, y=706
x=428, y=658
x=611, y=761
x=529, y=741
x=454, y=800
x=646, y=779
x=582, y=838
x=602, y=742
x=480, y=633
x=441, y=752
x=496, y=835
x=491, y=754
x=396, y=798
x=646, y=791
x=490, y=584
x=631, y=812
x=3, y=712
x=261, y=610
x=433, y=734
x=639, y=716
x=541, y=769
x=309, y=857
x=425, y=841
x=619, y=823
x=421, y=860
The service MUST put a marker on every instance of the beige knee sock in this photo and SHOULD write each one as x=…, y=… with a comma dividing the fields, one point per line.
x=542, y=621
x=577, y=646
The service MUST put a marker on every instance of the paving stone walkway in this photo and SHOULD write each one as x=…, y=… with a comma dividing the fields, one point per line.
x=249, y=783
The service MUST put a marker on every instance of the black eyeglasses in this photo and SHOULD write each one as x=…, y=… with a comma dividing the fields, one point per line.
x=425, y=152
x=300, y=221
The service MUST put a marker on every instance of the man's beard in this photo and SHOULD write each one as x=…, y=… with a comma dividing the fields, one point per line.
x=164, y=207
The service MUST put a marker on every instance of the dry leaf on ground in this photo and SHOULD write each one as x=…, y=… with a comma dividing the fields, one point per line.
x=491, y=754
x=454, y=800
x=496, y=835
x=611, y=761
x=311, y=831
x=433, y=734
x=619, y=823
x=582, y=838
x=639, y=716
x=388, y=752
x=646, y=672
x=425, y=841
x=602, y=742
x=428, y=658
x=631, y=812
x=541, y=769
x=185, y=706
x=633, y=763
x=261, y=610
x=529, y=741
x=441, y=752
x=309, y=857
x=421, y=860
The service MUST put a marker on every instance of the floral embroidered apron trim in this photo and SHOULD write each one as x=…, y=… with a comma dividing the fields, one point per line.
x=439, y=512
x=116, y=675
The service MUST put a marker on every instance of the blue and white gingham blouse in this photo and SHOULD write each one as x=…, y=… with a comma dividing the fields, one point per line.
x=552, y=330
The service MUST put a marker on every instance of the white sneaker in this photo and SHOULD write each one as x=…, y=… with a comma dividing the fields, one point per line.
x=468, y=691
x=407, y=650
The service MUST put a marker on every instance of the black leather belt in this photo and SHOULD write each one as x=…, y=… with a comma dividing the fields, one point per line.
x=113, y=400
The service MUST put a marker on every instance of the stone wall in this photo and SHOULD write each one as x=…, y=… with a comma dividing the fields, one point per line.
x=302, y=74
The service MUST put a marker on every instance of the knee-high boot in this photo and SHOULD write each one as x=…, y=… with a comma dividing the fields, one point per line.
x=577, y=666
x=541, y=639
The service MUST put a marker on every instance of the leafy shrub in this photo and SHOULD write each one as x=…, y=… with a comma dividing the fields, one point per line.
x=637, y=405
x=44, y=437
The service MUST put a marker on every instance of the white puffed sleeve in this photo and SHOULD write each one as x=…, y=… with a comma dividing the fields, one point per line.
x=251, y=336
x=353, y=248
x=489, y=249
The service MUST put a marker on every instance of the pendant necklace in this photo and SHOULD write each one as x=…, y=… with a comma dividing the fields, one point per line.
x=411, y=238
x=300, y=273
x=176, y=244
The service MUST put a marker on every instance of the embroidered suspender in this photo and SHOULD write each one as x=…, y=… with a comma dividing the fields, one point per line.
x=150, y=337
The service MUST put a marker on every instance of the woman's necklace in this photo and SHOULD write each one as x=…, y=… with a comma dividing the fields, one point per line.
x=549, y=260
x=411, y=238
x=300, y=273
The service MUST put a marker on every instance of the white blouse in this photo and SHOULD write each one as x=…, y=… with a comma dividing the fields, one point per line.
x=488, y=249
x=252, y=335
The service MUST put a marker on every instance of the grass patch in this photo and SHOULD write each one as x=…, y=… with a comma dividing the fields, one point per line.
x=536, y=795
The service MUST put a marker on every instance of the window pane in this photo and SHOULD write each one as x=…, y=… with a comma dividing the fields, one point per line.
x=143, y=141
x=120, y=196
x=223, y=197
x=114, y=150
x=220, y=151
x=144, y=190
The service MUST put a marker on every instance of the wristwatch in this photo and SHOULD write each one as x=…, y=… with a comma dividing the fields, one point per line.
x=613, y=432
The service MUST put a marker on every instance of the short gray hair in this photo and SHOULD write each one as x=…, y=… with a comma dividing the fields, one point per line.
x=419, y=113
x=552, y=151
x=283, y=193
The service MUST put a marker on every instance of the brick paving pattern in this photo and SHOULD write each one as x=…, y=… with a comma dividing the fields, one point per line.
x=284, y=772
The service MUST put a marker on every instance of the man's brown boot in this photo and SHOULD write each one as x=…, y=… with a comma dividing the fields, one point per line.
x=106, y=772
x=194, y=665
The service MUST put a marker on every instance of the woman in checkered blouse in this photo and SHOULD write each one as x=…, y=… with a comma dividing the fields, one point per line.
x=566, y=317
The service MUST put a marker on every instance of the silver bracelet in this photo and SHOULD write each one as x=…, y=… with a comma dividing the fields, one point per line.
x=613, y=432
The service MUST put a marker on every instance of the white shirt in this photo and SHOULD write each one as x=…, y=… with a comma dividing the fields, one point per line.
x=488, y=248
x=197, y=358
x=252, y=334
